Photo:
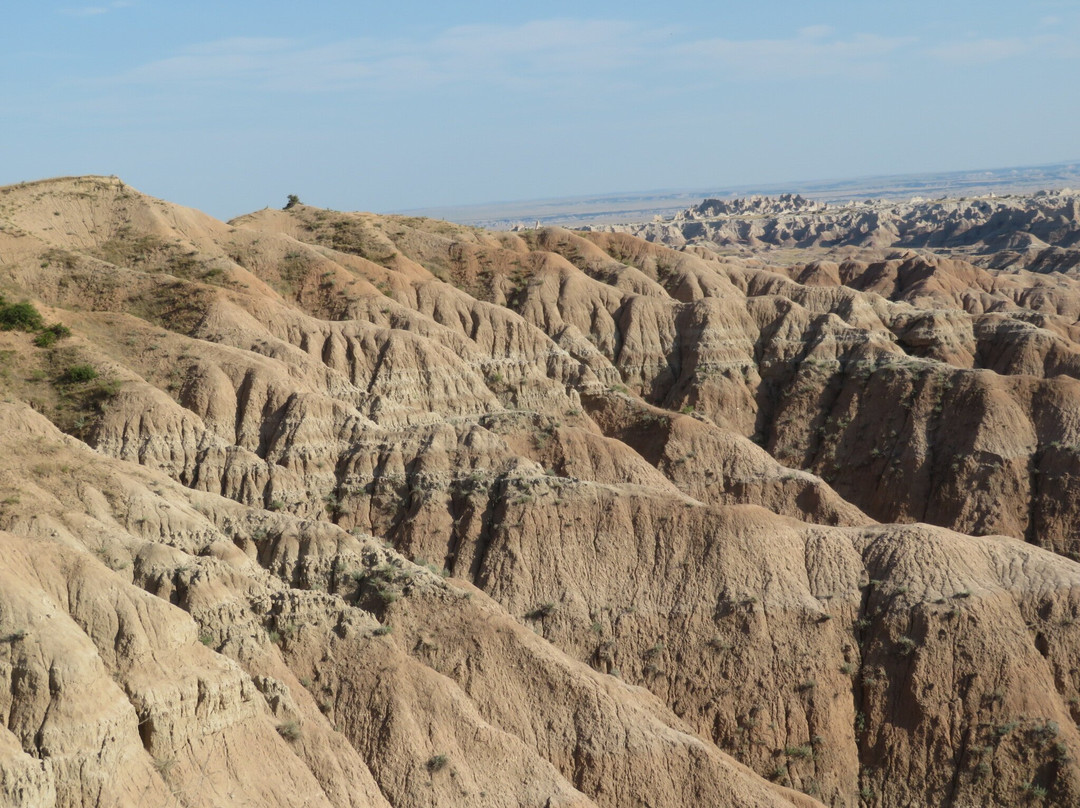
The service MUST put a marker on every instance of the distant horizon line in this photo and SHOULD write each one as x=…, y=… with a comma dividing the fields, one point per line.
x=785, y=186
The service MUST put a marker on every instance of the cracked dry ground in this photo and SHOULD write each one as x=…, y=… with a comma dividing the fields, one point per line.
x=356, y=510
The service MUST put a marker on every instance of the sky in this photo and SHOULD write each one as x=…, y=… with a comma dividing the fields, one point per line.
x=230, y=106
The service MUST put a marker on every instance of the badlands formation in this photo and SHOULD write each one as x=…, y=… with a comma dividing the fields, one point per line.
x=335, y=509
x=1039, y=231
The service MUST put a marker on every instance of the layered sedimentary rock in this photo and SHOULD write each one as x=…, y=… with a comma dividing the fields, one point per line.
x=316, y=508
x=1040, y=231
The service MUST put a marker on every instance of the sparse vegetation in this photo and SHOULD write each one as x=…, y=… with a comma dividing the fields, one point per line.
x=1034, y=791
x=289, y=730
x=50, y=335
x=718, y=644
x=542, y=611
x=1001, y=730
x=334, y=506
x=79, y=374
x=164, y=766
x=778, y=773
x=331, y=389
x=905, y=646
x=19, y=316
x=860, y=722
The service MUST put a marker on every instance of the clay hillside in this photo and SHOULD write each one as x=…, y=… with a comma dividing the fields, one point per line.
x=1039, y=231
x=335, y=509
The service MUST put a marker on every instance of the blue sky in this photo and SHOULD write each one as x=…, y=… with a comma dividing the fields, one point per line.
x=229, y=106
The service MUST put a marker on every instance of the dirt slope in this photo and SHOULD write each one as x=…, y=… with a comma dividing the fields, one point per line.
x=337, y=509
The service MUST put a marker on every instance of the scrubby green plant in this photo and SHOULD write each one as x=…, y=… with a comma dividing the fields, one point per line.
x=78, y=374
x=655, y=650
x=51, y=335
x=290, y=730
x=1034, y=791
x=860, y=722
x=387, y=594
x=437, y=763
x=19, y=317
x=1001, y=730
x=334, y=506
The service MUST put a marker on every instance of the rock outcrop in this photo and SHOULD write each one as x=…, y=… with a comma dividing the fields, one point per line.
x=1039, y=231
x=331, y=509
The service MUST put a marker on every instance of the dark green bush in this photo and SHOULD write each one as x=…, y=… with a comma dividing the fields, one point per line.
x=48, y=337
x=19, y=317
x=77, y=374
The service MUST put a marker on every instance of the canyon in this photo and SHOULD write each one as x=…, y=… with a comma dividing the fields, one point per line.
x=771, y=504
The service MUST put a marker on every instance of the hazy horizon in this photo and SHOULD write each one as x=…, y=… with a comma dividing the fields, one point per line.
x=230, y=108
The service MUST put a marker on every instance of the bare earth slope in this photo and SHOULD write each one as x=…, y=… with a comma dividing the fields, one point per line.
x=335, y=509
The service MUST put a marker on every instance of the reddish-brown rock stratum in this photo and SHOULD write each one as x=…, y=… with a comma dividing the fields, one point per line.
x=334, y=509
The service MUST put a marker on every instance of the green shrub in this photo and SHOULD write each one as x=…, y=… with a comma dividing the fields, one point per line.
x=437, y=763
x=19, y=317
x=49, y=336
x=77, y=374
